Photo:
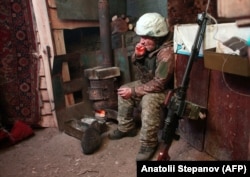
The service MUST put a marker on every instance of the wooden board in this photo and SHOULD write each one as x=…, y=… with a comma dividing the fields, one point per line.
x=233, y=8
x=228, y=124
x=73, y=85
x=42, y=82
x=57, y=23
x=87, y=10
x=41, y=67
x=60, y=50
x=58, y=36
x=44, y=95
x=194, y=130
x=61, y=74
x=76, y=83
x=59, y=98
x=77, y=9
x=136, y=8
x=46, y=108
x=69, y=98
x=76, y=111
x=52, y=3
x=47, y=121
x=45, y=39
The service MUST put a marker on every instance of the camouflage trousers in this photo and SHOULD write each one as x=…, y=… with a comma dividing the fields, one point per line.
x=150, y=105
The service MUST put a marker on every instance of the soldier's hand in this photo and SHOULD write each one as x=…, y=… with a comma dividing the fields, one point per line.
x=125, y=92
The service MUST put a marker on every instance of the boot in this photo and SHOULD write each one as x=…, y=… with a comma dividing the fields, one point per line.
x=145, y=153
x=117, y=134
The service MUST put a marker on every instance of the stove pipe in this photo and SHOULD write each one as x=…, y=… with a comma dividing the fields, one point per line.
x=105, y=33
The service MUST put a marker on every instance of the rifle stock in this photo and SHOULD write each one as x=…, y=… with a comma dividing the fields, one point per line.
x=175, y=100
x=163, y=155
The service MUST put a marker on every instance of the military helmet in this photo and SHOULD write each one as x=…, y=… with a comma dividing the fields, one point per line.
x=151, y=24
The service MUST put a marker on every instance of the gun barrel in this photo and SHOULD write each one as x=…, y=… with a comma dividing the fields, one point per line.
x=176, y=105
x=195, y=51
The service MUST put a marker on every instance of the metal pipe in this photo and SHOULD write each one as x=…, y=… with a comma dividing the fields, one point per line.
x=105, y=33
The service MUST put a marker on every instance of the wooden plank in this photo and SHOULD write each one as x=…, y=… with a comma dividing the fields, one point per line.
x=47, y=121
x=199, y=79
x=109, y=72
x=44, y=95
x=73, y=85
x=87, y=10
x=60, y=49
x=65, y=72
x=41, y=68
x=228, y=124
x=75, y=66
x=69, y=57
x=79, y=109
x=46, y=108
x=45, y=39
x=233, y=8
x=59, y=42
x=52, y=3
x=193, y=130
x=43, y=84
x=102, y=72
x=83, y=9
x=243, y=22
x=58, y=92
x=56, y=23
x=138, y=8
x=75, y=111
x=69, y=98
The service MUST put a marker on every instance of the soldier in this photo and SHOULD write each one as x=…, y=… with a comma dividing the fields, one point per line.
x=154, y=59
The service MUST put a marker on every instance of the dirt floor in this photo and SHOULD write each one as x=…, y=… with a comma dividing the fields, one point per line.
x=51, y=153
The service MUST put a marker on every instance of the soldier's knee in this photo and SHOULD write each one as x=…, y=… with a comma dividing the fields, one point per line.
x=150, y=101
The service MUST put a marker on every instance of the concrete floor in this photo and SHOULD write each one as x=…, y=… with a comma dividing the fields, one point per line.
x=53, y=153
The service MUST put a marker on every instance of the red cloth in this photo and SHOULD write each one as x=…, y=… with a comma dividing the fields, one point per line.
x=20, y=131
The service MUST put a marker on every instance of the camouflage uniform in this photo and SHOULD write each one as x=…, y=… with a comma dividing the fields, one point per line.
x=150, y=91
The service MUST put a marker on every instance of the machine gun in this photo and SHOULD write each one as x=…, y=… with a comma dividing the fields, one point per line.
x=175, y=100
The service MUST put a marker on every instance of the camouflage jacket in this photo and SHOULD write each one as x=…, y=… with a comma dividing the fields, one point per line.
x=160, y=70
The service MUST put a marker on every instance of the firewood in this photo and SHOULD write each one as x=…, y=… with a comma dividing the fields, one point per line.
x=123, y=16
x=114, y=18
x=126, y=19
x=119, y=26
x=130, y=26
